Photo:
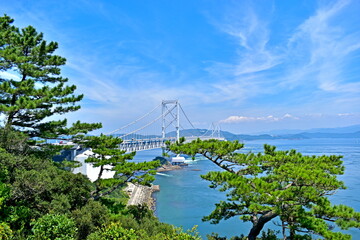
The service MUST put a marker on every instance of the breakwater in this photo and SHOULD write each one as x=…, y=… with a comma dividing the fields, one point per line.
x=140, y=195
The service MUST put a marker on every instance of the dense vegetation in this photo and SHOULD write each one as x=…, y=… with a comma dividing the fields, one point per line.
x=40, y=199
x=283, y=185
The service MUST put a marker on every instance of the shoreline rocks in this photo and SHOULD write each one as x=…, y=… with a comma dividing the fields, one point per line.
x=140, y=195
x=168, y=167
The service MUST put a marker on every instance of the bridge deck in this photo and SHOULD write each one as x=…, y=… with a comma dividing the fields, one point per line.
x=154, y=143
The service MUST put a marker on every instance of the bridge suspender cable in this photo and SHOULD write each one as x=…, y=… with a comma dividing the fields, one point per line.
x=147, y=124
x=174, y=119
x=166, y=111
x=186, y=116
x=133, y=122
x=207, y=130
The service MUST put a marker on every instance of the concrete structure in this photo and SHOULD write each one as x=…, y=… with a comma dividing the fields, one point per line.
x=177, y=160
x=88, y=169
x=140, y=195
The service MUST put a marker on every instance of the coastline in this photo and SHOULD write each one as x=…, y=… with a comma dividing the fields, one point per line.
x=168, y=167
x=140, y=195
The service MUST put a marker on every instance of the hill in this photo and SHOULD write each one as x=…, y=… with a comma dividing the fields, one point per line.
x=347, y=129
x=343, y=132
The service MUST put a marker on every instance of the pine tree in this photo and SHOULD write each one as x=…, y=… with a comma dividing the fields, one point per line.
x=108, y=157
x=284, y=185
x=33, y=88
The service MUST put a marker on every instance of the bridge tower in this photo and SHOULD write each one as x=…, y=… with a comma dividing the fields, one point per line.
x=215, y=130
x=171, y=112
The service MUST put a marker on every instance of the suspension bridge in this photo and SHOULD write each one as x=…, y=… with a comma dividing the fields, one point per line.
x=169, y=117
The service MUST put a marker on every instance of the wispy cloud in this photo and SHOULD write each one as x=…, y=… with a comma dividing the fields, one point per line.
x=323, y=48
x=267, y=68
x=345, y=114
x=245, y=77
x=252, y=34
x=270, y=118
x=316, y=58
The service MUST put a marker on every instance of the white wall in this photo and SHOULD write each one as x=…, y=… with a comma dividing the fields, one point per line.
x=88, y=169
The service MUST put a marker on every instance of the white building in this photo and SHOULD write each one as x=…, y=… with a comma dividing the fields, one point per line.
x=177, y=160
x=88, y=169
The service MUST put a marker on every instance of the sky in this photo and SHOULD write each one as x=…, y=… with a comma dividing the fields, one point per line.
x=252, y=66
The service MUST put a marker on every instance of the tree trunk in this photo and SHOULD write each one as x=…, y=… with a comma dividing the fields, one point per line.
x=258, y=226
x=283, y=230
x=292, y=234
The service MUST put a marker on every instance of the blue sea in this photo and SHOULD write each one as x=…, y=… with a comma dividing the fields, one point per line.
x=184, y=198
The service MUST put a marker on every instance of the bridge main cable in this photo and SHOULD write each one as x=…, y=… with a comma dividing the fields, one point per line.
x=133, y=122
x=186, y=116
x=146, y=124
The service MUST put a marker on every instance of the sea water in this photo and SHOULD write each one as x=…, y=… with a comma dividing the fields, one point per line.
x=184, y=197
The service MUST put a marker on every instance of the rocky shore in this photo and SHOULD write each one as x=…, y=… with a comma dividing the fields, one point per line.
x=140, y=195
x=168, y=167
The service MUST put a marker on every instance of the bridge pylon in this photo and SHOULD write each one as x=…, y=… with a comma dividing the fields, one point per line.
x=170, y=111
x=215, y=130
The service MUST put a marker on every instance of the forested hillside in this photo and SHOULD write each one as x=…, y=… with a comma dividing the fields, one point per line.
x=41, y=199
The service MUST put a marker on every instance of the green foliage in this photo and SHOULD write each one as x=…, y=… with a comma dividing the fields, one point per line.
x=162, y=160
x=37, y=197
x=268, y=235
x=53, y=227
x=284, y=184
x=33, y=187
x=37, y=90
x=139, y=212
x=108, y=157
x=141, y=221
x=116, y=231
x=5, y=231
x=89, y=218
x=115, y=201
x=14, y=141
x=215, y=236
x=43, y=189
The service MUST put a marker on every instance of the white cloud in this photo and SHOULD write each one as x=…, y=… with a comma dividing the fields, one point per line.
x=322, y=46
x=316, y=59
x=252, y=35
x=245, y=77
x=9, y=75
x=345, y=114
x=270, y=118
x=290, y=116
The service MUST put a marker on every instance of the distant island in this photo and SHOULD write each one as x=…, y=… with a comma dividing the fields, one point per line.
x=303, y=135
x=341, y=132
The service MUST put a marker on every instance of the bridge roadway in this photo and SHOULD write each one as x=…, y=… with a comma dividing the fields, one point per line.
x=153, y=143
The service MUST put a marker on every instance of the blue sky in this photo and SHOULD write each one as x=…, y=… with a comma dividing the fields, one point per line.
x=250, y=65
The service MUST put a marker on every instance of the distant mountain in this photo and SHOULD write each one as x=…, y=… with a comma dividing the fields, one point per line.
x=331, y=135
x=231, y=136
x=348, y=129
x=343, y=132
